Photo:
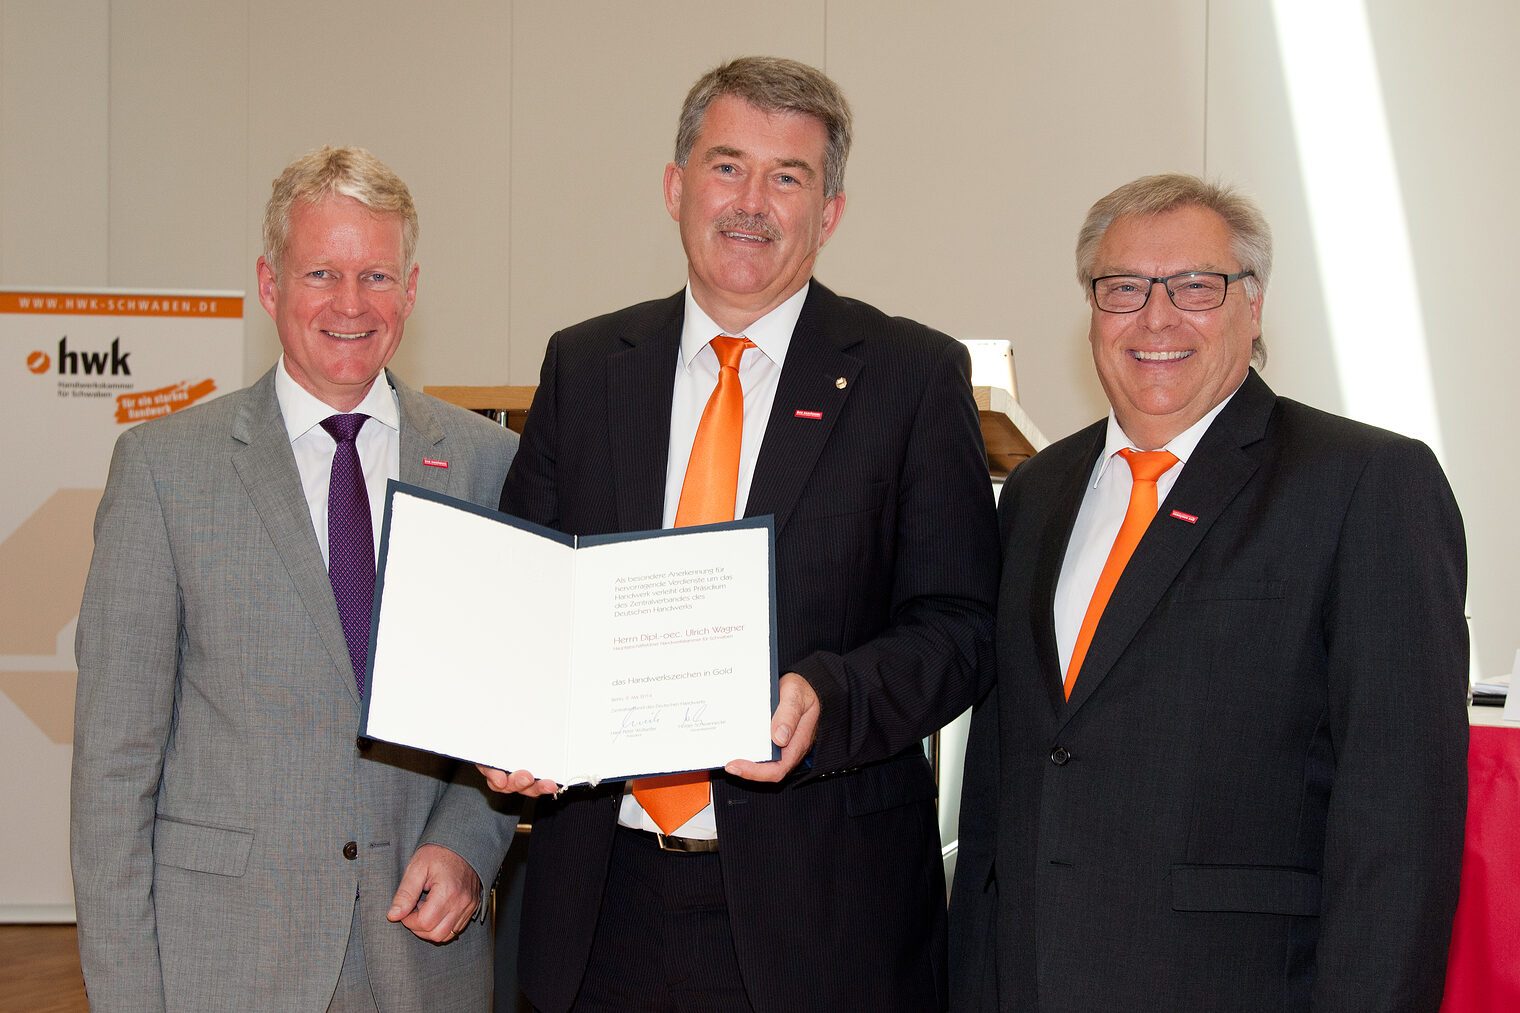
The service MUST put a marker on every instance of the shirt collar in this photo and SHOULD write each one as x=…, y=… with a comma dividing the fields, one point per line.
x=772, y=333
x=1182, y=445
x=302, y=410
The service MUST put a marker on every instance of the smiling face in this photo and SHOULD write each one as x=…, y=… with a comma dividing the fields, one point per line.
x=1163, y=368
x=340, y=301
x=752, y=209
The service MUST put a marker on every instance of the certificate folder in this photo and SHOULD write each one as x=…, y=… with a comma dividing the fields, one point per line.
x=581, y=659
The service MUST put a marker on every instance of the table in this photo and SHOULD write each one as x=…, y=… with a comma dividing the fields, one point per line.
x=1483, y=970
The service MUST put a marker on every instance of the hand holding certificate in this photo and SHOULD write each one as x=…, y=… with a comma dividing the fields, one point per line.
x=610, y=657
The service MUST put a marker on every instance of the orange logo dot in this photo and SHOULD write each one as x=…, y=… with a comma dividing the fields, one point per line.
x=38, y=362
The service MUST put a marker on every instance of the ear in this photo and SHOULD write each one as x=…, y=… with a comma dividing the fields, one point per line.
x=411, y=291
x=833, y=211
x=266, y=287
x=673, y=178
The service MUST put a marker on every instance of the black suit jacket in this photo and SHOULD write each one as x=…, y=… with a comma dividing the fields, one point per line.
x=886, y=569
x=1254, y=799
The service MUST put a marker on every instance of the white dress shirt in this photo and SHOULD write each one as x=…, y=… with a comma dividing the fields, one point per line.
x=1102, y=513
x=696, y=377
x=378, y=443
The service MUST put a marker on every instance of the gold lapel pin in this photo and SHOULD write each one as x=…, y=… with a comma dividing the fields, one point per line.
x=841, y=383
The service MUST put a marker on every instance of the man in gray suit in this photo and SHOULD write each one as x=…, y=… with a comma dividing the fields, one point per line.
x=236, y=845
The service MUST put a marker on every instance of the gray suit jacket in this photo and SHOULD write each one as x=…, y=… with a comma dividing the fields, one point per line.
x=1254, y=799
x=218, y=780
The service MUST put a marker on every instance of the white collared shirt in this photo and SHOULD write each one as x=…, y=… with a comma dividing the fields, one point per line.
x=696, y=376
x=1103, y=508
x=378, y=443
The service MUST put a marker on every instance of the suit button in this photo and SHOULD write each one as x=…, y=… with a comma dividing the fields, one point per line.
x=350, y=851
x=363, y=742
x=1059, y=756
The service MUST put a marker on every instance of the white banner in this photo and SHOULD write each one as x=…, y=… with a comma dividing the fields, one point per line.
x=76, y=369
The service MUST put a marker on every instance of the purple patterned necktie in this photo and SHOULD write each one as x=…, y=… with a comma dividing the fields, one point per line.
x=350, y=540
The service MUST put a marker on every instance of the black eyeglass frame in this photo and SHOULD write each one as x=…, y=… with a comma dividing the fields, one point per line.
x=1229, y=279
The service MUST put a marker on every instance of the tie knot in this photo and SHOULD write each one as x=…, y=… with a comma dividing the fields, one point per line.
x=730, y=350
x=344, y=428
x=1148, y=465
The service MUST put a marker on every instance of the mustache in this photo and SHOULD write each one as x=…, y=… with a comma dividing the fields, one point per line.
x=741, y=221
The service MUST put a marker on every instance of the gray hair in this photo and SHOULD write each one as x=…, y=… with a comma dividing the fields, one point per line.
x=337, y=172
x=774, y=85
x=1250, y=236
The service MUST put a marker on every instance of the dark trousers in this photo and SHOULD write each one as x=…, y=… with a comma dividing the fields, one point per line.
x=663, y=942
x=506, y=996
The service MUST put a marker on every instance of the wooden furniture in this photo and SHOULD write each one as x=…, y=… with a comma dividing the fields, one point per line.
x=507, y=405
x=1009, y=434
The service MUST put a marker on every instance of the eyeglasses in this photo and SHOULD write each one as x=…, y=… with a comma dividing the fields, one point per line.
x=1191, y=290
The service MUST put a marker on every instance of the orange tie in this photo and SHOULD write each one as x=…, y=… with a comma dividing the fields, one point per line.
x=1145, y=466
x=707, y=494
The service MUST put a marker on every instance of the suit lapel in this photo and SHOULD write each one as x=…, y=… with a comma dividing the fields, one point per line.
x=1052, y=544
x=1218, y=469
x=267, y=468
x=818, y=377
x=424, y=454
x=641, y=379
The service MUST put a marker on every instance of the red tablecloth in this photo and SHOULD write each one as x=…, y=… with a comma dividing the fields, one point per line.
x=1483, y=973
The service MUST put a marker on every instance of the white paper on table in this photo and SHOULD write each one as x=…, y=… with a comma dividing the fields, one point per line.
x=1495, y=686
x=501, y=642
x=1512, y=700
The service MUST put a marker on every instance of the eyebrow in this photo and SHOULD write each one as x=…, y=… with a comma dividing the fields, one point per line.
x=802, y=165
x=1127, y=272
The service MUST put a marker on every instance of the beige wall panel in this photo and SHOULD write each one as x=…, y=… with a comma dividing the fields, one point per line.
x=179, y=155
x=138, y=140
x=1251, y=144
x=427, y=90
x=53, y=232
x=1443, y=73
x=53, y=142
x=597, y=90
x=1449, y=80
x=985, y=130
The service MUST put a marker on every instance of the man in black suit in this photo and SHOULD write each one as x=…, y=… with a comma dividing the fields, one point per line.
x=1248, y=790
x=813, y=882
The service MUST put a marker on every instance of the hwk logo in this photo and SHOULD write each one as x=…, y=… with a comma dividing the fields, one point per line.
x=93, y=363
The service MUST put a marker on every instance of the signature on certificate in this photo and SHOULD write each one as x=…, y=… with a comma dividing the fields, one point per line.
x=635, y=723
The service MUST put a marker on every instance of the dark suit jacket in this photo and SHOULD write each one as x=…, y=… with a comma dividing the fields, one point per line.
x=886, y=567
x=1254, y=799
x=217, y=779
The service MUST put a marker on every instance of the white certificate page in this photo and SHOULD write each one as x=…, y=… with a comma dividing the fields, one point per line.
x=500, y=642
x=673, y=651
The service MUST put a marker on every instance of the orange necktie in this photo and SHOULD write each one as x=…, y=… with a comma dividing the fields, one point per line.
x=1145, y=466
x=707, y=494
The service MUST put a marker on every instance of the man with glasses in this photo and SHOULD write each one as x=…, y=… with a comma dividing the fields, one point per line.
x=1224, y=763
